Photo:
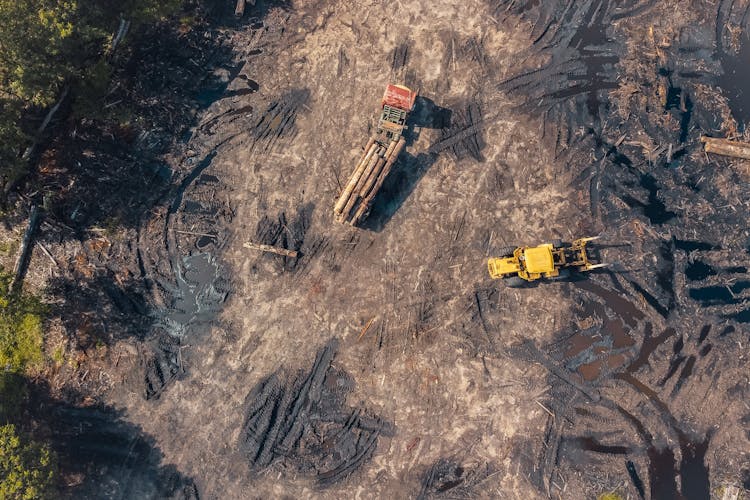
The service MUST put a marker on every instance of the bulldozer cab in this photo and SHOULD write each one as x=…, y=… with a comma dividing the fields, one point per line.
x=539, y=259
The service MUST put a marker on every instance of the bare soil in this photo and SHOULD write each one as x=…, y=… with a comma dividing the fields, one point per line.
x=383, y=362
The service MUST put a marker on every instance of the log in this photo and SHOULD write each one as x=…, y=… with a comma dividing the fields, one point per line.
x=121, y=32
x=354, y=195
x=239, y=9
x=19, y=269
x=364, y=207
x=726, y=147
x=371, y=167
x=355, y=177
x=373, y=177
x=268, y=248
x=48, y=118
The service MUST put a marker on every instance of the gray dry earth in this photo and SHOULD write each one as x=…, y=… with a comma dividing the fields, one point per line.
x=439, y=369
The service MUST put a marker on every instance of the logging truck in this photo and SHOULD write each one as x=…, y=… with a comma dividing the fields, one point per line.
x=378, y=157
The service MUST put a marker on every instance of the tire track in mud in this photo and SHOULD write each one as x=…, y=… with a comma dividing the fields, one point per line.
x=190, y=293
x=301, y=421
x=583, y=52
x=671, y=381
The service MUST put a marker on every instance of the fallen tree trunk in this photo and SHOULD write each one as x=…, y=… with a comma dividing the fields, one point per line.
x=48, y=118
x=726, y=147
x=271, y=249
x=121, y=31
x=23, y=257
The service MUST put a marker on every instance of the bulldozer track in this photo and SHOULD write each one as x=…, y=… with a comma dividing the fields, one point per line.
x=463, y=137
x=278, y=120
x=288, y=417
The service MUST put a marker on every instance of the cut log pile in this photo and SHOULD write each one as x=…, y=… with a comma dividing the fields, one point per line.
x=377, y=160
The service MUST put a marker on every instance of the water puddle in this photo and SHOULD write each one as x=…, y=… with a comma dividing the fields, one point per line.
x=622, y=307
x=691, y=246
x=662, y=472
x=693, y=471
x=241, y=92
x=197, y=295
x=637, y=482
x=591, y=352
x=591, y=444
x=208, y=96
x=650, y=299
x=653, y=208
x=649, y=345
x=718, y=295
x=205, y=241
x=698, y=271
x=741, y=317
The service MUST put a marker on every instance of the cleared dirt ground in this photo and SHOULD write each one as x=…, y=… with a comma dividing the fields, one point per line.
x=383, y=362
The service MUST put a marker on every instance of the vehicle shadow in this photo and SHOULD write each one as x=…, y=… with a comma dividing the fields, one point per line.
x=397, y=187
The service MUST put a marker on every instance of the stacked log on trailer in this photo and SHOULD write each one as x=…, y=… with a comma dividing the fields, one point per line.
x=376, y=163
x=378, y=157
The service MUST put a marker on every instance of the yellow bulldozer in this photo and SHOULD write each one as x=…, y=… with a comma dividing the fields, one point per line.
x=518, y=266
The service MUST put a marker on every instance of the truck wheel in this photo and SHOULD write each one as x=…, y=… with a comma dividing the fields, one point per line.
x=504, y=252
x=515, y=282
x=557, y=243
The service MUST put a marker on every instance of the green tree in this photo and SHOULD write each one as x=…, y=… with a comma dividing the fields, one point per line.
x=21, y=343
x=34, y=37
x=21, y=337
x=47, y=44
x=27, y=468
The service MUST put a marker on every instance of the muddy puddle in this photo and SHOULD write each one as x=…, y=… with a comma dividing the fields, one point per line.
x=197, y=295
x=721, y=295
x=600, y=349
x=622, y=307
